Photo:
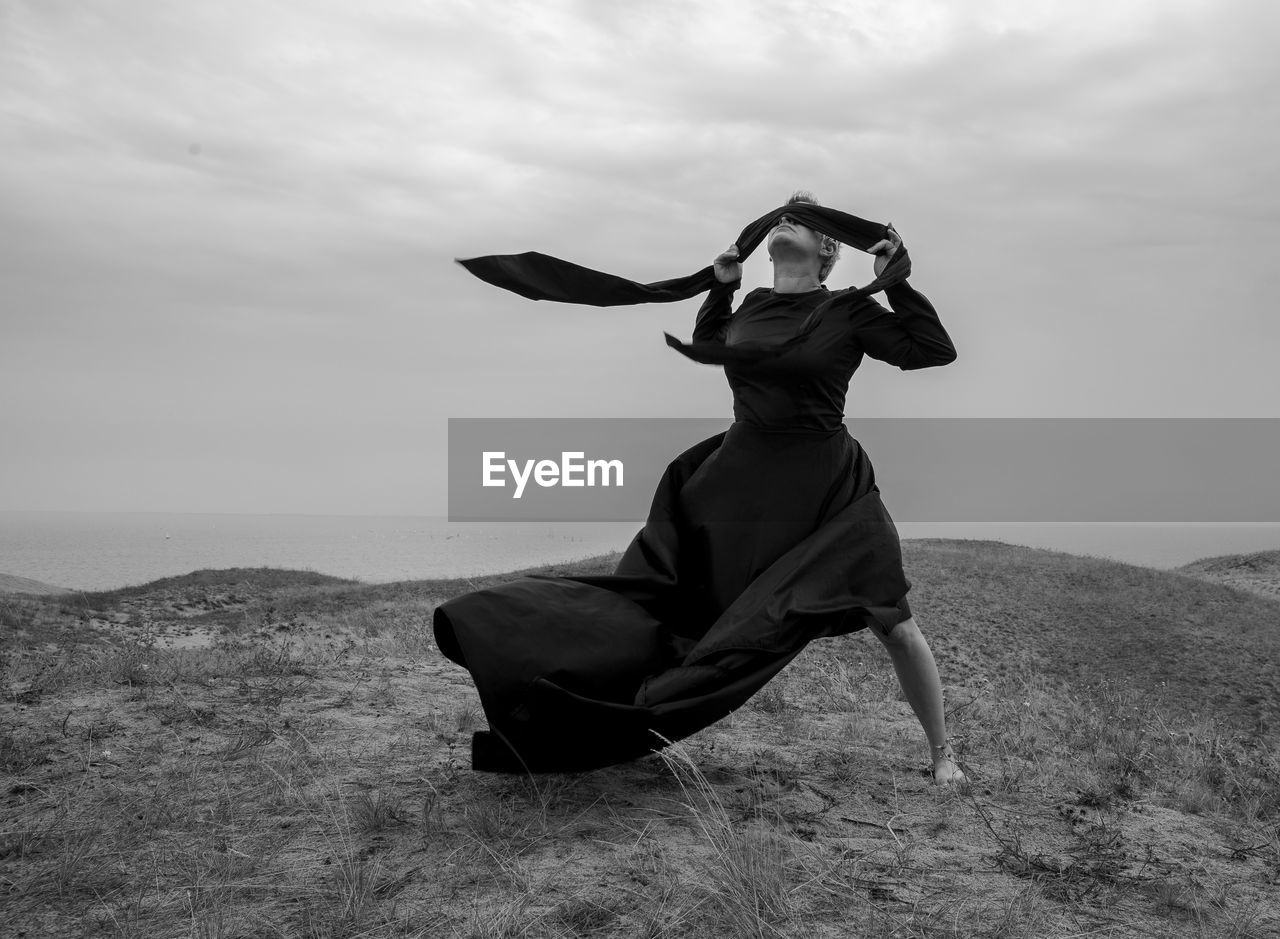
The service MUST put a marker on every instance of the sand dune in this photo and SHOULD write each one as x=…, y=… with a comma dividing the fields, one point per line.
x=1257, y=573
x=10, y=583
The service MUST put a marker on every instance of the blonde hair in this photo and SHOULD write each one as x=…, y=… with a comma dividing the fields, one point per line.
x=828, y=262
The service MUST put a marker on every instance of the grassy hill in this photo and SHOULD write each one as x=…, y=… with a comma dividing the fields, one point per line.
x=262, y=752
x=1077, y=622
x=10, y=583
x=1257, y=573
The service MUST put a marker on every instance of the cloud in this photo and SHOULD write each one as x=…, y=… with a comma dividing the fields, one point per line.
x=247, y=212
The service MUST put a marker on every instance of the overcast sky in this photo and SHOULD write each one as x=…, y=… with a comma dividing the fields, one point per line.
x=227, y=229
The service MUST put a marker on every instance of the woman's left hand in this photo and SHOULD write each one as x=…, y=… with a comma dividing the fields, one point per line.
x=885, y=250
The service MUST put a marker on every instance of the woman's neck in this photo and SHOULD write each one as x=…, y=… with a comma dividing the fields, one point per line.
x=794, y=280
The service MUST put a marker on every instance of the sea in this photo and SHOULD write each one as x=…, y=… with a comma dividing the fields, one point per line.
x=105, y=550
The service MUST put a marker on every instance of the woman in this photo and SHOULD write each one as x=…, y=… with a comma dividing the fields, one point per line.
x=758, y=541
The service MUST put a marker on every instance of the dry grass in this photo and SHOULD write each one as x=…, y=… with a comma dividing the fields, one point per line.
x=304, y=772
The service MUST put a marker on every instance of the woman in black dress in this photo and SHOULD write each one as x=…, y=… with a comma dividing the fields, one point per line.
x=759, y=540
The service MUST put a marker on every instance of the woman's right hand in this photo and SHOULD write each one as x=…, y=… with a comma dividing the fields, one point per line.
x=727, y=267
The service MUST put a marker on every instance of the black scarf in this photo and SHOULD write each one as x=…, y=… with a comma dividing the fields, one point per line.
x=542, y=277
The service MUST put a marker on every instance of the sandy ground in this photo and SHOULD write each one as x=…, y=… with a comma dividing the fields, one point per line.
x=823, y=775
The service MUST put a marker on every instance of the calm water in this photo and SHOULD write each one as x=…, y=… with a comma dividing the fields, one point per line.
x=93, y=551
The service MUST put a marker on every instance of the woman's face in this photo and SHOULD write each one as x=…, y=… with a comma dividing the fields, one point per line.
x=792, y=239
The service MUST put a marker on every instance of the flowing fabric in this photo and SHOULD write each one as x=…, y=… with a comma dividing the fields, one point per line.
x=542, y=277
x=579, y=672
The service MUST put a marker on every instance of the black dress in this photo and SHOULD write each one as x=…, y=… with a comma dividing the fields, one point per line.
x=759, y=540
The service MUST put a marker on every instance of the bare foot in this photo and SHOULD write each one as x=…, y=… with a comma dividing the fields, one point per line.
x=946, y=772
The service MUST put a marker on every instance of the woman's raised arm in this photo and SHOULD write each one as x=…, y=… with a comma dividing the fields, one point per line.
x=910, y=337
x=713, y=316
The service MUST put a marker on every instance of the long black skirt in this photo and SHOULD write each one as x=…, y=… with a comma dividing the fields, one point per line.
x=756, y=543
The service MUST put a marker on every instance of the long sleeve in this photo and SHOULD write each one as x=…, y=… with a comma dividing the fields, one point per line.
x=713, y=316
x=910, y=337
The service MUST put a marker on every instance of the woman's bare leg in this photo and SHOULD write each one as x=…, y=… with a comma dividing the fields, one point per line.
x=918, y=675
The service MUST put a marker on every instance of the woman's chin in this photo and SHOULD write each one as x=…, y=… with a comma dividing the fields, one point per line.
x=784, y=248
